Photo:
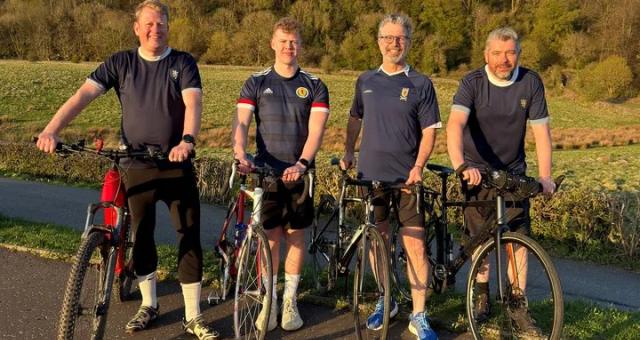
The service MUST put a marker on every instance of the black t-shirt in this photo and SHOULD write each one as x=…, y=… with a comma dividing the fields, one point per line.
x=394, y=110
x=282, y=107
x=150, y=94
x=496, y=126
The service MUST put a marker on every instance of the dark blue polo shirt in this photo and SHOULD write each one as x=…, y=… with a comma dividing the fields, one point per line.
x=394, y=110
x=282, y=107
x=498, y=113
x=150, y=94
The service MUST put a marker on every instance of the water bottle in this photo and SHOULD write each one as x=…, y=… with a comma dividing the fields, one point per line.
x=238, y=236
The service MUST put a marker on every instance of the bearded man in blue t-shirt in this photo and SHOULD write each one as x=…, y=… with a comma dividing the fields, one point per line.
x=487, y=128
x=397, y=110
x=160, y=93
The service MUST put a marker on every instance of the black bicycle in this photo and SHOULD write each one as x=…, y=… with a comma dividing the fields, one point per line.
x=526, y=279
x=334, y=241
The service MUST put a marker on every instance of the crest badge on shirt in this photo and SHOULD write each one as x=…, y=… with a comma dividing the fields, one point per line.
x=404, y=94
x=523, y=103
x=174, y=74
x=302, y=92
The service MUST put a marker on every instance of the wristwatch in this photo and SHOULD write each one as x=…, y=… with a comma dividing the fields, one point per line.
x=189, y=139
x=304, y=162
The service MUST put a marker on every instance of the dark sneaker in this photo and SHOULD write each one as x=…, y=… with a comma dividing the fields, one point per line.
x=198, y=328
x=375, y=320
x=142, y=319
x=519, y=312
x=419, y=326
x=481, y=307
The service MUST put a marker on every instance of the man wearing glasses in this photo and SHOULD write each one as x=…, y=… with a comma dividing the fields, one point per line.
x=400, y=112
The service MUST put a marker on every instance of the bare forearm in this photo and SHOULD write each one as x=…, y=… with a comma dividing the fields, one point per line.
x=426, y=146
x=542, y=135
x=353, y=130
x=455, y=144
x=317, y=123
x=71, y=108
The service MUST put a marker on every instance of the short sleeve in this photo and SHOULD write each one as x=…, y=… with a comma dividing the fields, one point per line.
x=464, y=98
x=190, y=78
x=248, y=97
x=538, y=108
x=106, y=75
x=356, y=106
x=428, y=111
x=321, y=98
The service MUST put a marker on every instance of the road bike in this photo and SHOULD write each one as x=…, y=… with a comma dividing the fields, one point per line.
x=521, y=269
x=335, y=240
x=244, y=257
x=102, y=266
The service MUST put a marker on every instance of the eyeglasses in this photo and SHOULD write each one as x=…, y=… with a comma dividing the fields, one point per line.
x=389, y=39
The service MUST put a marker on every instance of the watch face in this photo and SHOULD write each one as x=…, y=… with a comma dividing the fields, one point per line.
x=189, y=139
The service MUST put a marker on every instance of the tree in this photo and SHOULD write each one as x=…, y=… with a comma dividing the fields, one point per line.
x=606, y=80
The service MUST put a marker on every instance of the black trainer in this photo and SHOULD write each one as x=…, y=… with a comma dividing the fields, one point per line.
x=481, y=307
x=519, y=312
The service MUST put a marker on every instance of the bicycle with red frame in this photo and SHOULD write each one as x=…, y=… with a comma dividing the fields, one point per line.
x=103, y=265
x=243, y=253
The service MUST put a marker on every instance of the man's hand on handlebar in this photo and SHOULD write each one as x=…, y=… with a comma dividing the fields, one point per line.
x=472, y=176
x=548, y=185
x=346, y=162
x=47, y=142
x=180, y=152
x=293, y=173
x=245, y=165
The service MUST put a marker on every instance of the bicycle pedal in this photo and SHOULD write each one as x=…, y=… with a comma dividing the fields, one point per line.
x=214, y=300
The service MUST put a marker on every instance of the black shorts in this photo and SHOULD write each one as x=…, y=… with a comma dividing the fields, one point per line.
x=280, y=206
x=406, y=205
x=475, y=217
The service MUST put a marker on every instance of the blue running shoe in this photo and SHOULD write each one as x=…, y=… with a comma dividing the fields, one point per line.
x=419, y=326
x=374, y=321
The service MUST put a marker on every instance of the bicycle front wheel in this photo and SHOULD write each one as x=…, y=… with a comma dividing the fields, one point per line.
x=532, y=303
x=86, y=298
x=254, y=287
x=371, y=283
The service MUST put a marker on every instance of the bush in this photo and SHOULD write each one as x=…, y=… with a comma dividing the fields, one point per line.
x=606, y=80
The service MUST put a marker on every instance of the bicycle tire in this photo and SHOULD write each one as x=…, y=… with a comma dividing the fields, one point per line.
x=399, y=260
x=251, y=292
x=544, y=298
x=365, y=296
x=86, y=301
x=323, y=257
x=225, y=274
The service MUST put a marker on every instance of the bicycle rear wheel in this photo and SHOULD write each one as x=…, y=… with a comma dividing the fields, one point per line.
x=323, y=254
x=254, y=288
x=535, y=297
x=225, y=254
x=370, y=283
x=86, y=298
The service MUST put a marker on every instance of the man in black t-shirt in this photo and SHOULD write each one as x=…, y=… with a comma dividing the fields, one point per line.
x=398, y=111
x=487, y=128
x=160, y=93
x=291, y=108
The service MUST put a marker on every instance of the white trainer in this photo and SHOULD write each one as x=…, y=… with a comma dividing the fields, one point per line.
x=290, y=316
x=273, y=317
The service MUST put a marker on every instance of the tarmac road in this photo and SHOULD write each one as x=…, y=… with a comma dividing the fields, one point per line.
x=32, y=288
x=63, y=205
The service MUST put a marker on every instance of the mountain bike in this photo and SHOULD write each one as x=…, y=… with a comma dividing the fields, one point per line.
x=335, y=241
x=102, y=265
x=244, y=256
x=519, y=267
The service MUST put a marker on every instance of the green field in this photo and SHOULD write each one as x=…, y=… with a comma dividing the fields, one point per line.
x=31, y=92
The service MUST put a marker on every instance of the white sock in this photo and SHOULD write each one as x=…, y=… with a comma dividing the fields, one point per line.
x=274, y=293
x=147, y=285
x=290, y=286
x=191, y=295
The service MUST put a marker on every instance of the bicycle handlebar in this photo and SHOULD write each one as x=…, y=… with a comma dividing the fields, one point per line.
x=151, y=153
x=521, y=186
x=265, y=171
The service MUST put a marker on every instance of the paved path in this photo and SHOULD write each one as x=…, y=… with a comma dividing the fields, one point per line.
x=31, y=291
x=63, y=205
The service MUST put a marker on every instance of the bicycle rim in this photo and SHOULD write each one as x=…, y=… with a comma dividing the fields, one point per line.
x=225, y=273
x=253, y=286
x=398, y=267
x=537, y=290
x=323, y=259
x=85, y=304
x=370, y=282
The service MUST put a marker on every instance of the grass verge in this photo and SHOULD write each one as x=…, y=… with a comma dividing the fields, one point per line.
x=582, y=319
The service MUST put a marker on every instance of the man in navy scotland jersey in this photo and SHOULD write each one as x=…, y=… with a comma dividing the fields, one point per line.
x=487, y=127
x=160, y=93
x=398, y=110
x=291, y=108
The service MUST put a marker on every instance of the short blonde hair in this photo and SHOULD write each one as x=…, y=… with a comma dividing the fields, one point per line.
x=155, y=5
x=287, y=25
